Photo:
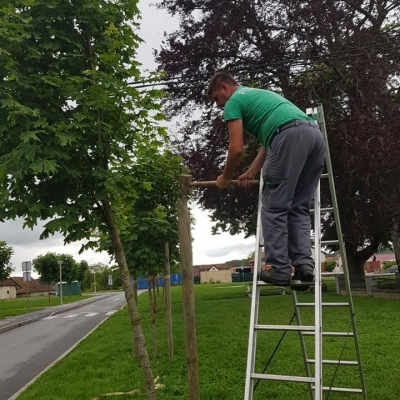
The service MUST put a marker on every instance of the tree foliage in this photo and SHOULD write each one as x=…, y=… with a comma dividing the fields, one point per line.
x=343, y=54
x=6, y=253
x=72, y=124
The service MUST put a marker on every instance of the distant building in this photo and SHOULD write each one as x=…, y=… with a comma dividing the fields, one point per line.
x=8, y=289
x=34, y=288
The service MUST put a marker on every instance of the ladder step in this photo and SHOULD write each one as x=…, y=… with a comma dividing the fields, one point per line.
x=323, y=210
x=344, y=334
x=324, y=176
x=329, y=242
x=339, y=389
x=335, y=362
x=287, y=378
x=309, y=329
x=340, y=304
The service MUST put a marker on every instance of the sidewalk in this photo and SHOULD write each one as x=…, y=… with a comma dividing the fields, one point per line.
x=14, y=322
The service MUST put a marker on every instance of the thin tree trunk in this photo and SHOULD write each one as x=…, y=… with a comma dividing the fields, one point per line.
x=153, y=317
x=168, y=309
x=151, y=292
x=186, y=257
x=138, y=335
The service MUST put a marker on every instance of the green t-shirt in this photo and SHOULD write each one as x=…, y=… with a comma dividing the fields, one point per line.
x=262, y=112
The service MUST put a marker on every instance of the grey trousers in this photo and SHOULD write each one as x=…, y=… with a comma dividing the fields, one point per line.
x=291, y=172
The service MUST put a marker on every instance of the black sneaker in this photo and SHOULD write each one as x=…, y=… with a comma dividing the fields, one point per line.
x=303, y=278
x=269, y=277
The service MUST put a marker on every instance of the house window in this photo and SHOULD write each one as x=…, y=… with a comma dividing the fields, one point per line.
x=8, y=292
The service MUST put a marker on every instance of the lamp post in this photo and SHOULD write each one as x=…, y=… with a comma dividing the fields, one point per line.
x=60, y=263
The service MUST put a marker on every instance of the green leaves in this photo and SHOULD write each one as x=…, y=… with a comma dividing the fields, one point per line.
x=6, y=253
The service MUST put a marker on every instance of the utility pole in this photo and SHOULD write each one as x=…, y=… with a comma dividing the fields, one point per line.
x=60, y=263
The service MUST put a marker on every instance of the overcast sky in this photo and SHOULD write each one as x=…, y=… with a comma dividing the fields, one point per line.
x=207, y=248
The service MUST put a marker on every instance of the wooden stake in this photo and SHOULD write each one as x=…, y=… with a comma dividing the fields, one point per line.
x=168, y=312
x=186, y=259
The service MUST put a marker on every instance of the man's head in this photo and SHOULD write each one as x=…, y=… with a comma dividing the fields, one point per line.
x=221, y=88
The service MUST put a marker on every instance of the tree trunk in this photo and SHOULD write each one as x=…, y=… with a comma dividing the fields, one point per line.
x=168, y=310
x=395, y=236
x=356, y=261
x=138, y=335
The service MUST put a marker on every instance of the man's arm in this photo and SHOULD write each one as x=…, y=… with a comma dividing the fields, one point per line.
x=254, y=169
x=235, y=152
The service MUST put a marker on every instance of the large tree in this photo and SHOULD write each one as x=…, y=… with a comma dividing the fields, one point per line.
x=72, y=124
x=343, y=54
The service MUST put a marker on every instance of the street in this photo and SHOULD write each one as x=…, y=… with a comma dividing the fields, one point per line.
x=27, y=350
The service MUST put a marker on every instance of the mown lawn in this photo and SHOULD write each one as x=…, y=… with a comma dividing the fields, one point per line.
x=19, y=306
x=104, y=364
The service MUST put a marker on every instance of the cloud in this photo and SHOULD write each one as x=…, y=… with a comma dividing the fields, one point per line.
x=14, y=234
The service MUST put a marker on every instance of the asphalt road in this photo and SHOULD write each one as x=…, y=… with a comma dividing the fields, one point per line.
x=29, y=349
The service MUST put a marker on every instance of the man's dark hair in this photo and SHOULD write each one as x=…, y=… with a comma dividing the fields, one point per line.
x=218, y=78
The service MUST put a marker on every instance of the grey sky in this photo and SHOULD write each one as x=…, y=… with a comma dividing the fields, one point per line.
x=207, y=248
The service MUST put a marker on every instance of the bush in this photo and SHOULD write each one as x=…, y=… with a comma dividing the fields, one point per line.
x=329, y=266
x=388, y=264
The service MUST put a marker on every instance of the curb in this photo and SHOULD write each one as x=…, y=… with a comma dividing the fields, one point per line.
x=68, y=308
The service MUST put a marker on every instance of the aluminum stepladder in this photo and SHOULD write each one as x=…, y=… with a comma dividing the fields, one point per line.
x=314, y=381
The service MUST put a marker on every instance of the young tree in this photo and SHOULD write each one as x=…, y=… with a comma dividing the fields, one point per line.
x=339, y=53
x=6, y=253
x=72, y=124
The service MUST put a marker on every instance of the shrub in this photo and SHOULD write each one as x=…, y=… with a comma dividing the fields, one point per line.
x=329, y=266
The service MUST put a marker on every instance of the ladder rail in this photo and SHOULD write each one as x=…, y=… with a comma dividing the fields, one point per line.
x=255, y=298
x=303, y=343
x=342, y=248
x=318, y=294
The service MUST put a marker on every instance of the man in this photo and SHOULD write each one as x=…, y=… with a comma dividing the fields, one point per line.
x=291, y=158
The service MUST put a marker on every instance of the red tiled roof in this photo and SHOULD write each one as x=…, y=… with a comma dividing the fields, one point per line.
x=10, y=282
x=34, y=287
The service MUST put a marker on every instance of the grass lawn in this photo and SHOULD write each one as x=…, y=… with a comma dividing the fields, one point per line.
x=103, y=363
x=19, y=306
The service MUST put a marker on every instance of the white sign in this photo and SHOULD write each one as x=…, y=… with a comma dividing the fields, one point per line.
x=26, y=266
x=110, y=280
x=27, y=276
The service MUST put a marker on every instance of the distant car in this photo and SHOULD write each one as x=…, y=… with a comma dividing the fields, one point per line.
x=393, y=268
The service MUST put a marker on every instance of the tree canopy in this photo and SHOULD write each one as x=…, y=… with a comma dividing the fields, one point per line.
x=343, y=54
x=72, y=124
x=6, y=253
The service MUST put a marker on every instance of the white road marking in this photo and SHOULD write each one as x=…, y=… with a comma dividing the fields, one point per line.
x=71, y=316
x=117, y=299
x=91, y=314
x=51, y=317
x=111, y=312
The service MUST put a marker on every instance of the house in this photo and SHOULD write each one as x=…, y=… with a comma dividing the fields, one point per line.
x=34, y=288
x=211, y=267
x=8, y=289
x=374, y=263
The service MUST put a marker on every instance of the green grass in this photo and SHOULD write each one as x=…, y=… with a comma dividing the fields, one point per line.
x=19, y=306
x=103, y=363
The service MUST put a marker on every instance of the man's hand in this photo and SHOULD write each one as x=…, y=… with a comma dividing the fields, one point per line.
x=223, y=182
x=244, y=180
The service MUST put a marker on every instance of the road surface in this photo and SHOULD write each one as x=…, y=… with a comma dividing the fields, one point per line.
x=27, y=350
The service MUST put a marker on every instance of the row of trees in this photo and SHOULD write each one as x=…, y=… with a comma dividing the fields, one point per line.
x=343, y=54
x=80, y=146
